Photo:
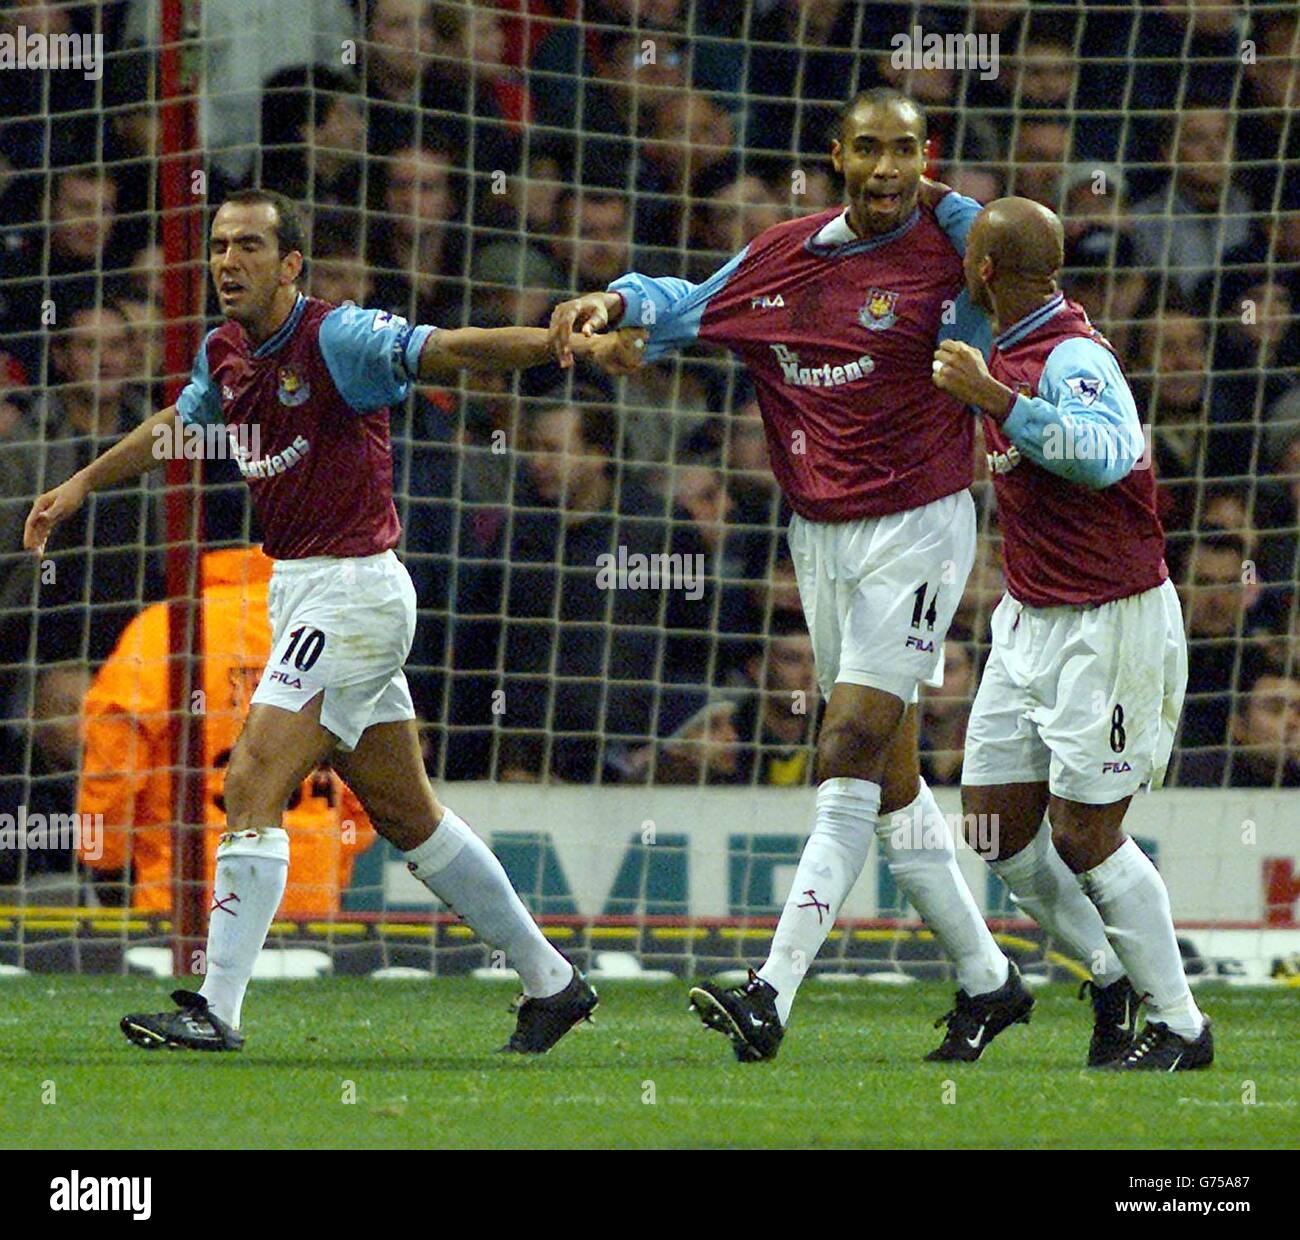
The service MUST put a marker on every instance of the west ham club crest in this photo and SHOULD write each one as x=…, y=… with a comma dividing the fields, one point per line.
x=293, y=389
x=877, y=311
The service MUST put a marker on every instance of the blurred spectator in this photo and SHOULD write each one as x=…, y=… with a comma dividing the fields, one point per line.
x=1186, y=228
x=944, y=712
x=1218, y=590
x=598, y=249
x=242, y=43
x=477, y=99
x=398, y=44
x=313, y=136
x=1257, y=344
x=126, y=775
x=728, y=220
x=1094, y=196
x=776, y=722
x=1183, y=50
x=58, y=263
x=515, y=281
x=338, y=271
x=703, y=750
x=567, y=62
x=799, y=51
x=981, y=183
x=1264, y=734
x=44, y=782
x=415, y=246
x=687, y=156
x=103, y=551
x=133, y=142
x=1192, y=438
x=1271, y=96
x=1101, y=276
x=582, y=650
x=1040, y=149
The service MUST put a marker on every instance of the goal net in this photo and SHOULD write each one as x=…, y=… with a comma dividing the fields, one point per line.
x=611, y=666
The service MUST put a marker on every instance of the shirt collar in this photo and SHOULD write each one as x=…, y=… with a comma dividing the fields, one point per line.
x=837, y=237
x=284, y=331
x=1030, y=323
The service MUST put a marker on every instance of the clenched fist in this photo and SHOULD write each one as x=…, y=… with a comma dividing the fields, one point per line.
x=960, y=371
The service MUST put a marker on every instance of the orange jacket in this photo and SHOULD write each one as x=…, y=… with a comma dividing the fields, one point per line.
x=125, y=772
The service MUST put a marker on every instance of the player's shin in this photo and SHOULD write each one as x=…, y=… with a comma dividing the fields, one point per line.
x=252, y=868
x=463, y=873
x=917, y=843
x=830, y=864
x=1045, y=887
x=1133, y=902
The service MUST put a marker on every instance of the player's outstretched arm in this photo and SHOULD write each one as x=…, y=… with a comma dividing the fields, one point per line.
x=132, y=455
x=515, y=348
x=449, y=350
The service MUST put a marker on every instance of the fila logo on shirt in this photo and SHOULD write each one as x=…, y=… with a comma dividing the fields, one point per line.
x=766, y=302
x=824, y=375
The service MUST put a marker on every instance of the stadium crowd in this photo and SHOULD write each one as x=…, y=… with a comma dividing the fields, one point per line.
x=475, y=164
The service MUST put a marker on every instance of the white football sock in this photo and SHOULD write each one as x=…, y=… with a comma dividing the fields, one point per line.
x=1047, y=889
x=252, y=868
x=918, y=844
x=830, y=864
x=462, y=871
x=1134, y=904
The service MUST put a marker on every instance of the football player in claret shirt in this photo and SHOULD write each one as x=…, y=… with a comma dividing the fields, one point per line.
x=836, y=316
x=311, y=384
x=1080, y=698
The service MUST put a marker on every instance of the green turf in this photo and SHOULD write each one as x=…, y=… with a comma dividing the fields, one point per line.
x=419, y=1059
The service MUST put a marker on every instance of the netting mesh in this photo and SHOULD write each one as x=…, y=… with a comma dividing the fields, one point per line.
x=472, y=164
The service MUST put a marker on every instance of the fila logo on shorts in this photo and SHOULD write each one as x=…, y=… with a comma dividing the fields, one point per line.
x=766, y=302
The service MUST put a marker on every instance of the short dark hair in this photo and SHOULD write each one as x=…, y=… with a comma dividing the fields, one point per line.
x=877, y=96
x=300, y=94
x=289, y=233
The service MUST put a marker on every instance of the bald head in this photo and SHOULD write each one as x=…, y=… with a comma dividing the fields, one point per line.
x=1013, y=252
x=1023, y=238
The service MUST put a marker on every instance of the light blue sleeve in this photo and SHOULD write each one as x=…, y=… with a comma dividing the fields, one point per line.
x=955, y=214
x=670, y=309
x=372, y=355
x=969, y=325
x=1083, y=425
x=199, y=402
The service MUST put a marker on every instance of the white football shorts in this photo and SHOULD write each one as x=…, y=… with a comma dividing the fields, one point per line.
x=342, y=626
x=1084, y=698
x=879, y=593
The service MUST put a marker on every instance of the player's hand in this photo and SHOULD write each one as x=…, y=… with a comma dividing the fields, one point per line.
x=616, y=353
x=930, y=192
x=50, y=509
x=587, y=314
x=960, y=371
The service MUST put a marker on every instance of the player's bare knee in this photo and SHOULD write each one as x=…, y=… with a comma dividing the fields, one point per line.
x=850, y=748
x=253, y=795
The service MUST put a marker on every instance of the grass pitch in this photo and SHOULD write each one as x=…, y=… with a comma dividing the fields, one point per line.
x=417, y=1058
